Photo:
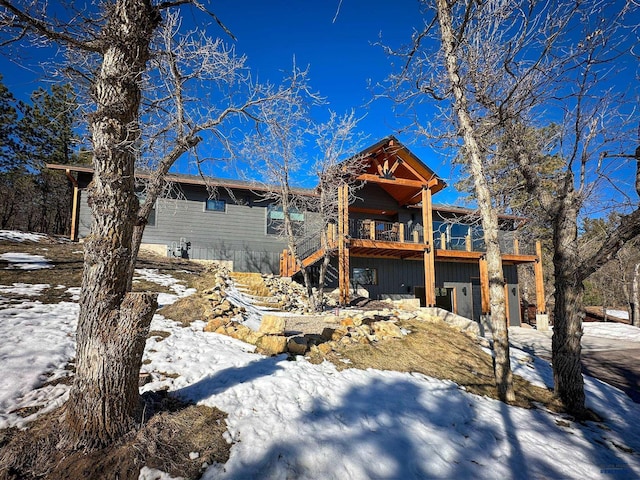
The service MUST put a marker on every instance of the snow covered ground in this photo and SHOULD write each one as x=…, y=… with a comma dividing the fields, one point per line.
x=293, y=419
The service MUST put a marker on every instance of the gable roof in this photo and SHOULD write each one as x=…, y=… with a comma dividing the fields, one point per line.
x=390, y=165
x=394, y=168
x=194, y=180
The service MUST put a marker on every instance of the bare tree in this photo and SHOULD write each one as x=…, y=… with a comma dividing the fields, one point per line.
x=516, y=68
x=280, y=150
x=337, y=166
x=421, y=77
x=517, y=60
x=138, y=66
x=275, y=149
x=472, y=145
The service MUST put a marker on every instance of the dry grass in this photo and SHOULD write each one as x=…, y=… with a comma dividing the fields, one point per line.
x=163, y=442
x=187, y=309
x=438, y=350
x=66, y=259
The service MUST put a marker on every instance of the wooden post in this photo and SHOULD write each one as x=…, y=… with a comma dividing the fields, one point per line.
x=443, y=241
x=537, y=270
x=343, y=250
x=516, y=246
x=484, y=286
x=429, y=252
x=467, y=242
x=340, y=247
x=372, y=230
x=416, y=236
x=73, y=236
x=282, y=265
x=401, y=233
x=506, y=304
x=345, y=212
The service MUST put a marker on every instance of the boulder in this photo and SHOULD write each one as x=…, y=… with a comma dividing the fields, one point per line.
x=386, y=330
x=347, y=322
x=325, y=348
x=272, y=325
x=215, y=323
x=331, y=319
x=327, y=333
x=298, y=345
x=271, y=344
x=339, y=333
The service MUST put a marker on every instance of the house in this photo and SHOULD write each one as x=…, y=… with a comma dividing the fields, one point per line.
x=392, y=242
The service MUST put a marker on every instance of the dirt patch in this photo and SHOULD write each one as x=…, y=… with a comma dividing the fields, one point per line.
x=438, y=350
x=179, y=439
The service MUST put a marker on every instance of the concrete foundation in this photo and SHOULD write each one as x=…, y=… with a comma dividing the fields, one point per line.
x=542, y=322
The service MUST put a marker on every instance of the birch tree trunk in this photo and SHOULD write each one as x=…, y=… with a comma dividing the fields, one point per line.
x=489, y=217
x=113, y=323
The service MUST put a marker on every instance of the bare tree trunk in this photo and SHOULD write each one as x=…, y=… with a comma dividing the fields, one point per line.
x=635, y=298
x=502, y=367
x=568, y=311
x=322, y=275
x=113, y=323
x=309, y=285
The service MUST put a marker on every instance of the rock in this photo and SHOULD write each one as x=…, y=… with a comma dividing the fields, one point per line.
x=363, y=330
x=347, y=322
x=272, y=325
x=215, y=323
x=386, y=329
x=271, y=344
x=222, y=330
x=325, y=348
x=314, y=339
x=297, y=345
x=339, y=333
x=331, y=319
x=327, y=333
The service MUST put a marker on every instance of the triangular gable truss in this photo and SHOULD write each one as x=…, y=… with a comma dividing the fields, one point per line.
x=399, y=172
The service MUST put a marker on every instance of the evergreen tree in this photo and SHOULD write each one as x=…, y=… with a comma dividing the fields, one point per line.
x=34, y=198
x=8, y=120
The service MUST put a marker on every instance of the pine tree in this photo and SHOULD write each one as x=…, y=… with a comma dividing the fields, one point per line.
x=8, y=120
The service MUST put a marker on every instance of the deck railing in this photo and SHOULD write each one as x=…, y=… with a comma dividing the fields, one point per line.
x=386, y=231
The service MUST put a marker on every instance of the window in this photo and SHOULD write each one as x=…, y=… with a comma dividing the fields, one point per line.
x=365, y=276
x=215, y=205
x=151, y=219
x=275, y=220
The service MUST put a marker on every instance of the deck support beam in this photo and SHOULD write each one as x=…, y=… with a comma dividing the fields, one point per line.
x=429, y=251
x=539, y=277
x=484, y=286
x=74, y=206
x=343, y=246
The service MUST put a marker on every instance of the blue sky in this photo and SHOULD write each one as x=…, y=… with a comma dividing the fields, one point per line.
x=335, y=38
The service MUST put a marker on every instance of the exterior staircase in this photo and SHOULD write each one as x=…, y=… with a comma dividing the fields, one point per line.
x=252, y=285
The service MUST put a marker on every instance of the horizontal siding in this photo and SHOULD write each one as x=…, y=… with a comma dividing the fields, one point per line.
x=373, y=197
x=395, y=277
x=238, y=234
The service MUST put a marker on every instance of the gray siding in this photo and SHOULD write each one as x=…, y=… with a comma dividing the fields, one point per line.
x=238, y=234
x=371, y=196
x=395, y=277
x=460, y=277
